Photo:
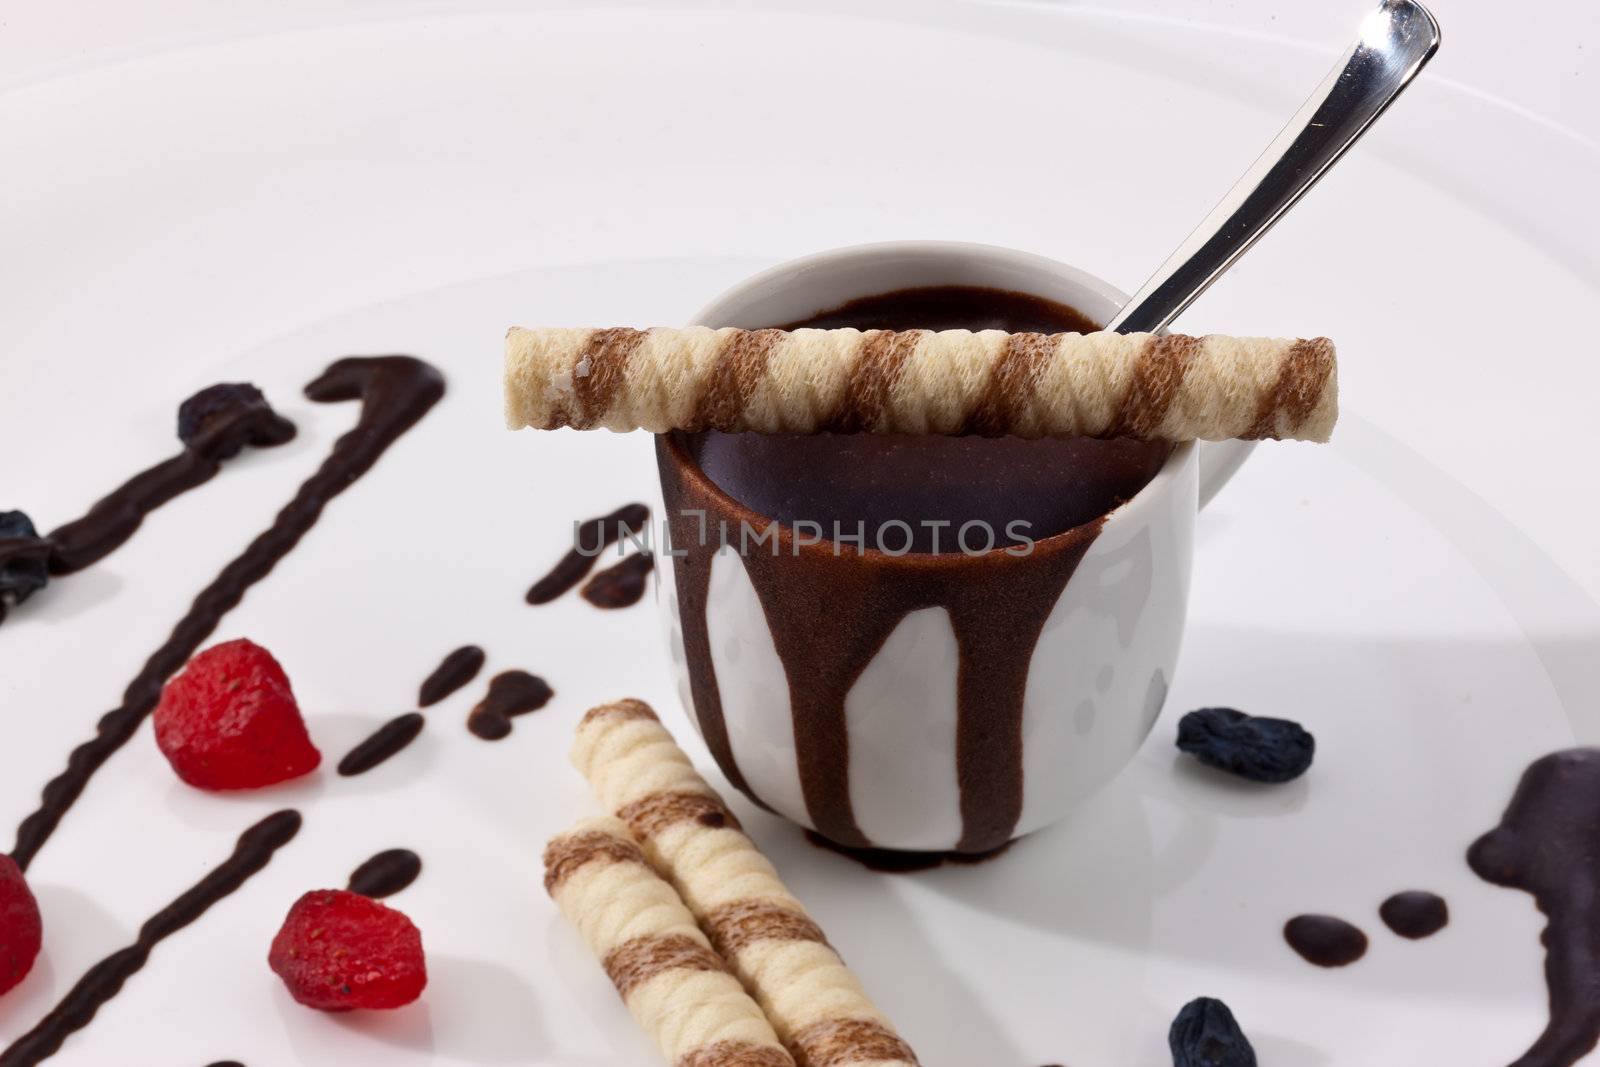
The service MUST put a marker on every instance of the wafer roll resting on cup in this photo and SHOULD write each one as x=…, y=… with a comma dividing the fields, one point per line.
x=814, y=1001
x=990, y=383
x=673, y=982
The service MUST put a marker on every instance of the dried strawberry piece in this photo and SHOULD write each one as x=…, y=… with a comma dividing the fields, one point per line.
x=20, y=929
x=339, y=950
x=230, y=721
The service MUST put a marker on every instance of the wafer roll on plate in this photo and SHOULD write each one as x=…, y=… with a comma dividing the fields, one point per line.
x=815, y=1003
x=677, y=987
x=990, y=383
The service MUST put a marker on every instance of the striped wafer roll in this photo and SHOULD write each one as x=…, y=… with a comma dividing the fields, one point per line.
x=677, y=987
x=990, y=383
x=814, y=1001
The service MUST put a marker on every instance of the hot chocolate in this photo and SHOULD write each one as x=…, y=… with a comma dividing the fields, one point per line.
x=1020, y=490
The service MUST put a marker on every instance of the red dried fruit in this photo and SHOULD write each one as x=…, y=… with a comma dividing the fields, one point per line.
x=20, y=928
x=339, y=950
x=230, y=721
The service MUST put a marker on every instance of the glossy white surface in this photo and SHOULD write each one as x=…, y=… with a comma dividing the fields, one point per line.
x=199, y=191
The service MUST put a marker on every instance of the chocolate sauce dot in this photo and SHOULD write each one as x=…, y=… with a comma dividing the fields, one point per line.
x=226, y=1063
x=896, y=861
x=1325, y=940
x=714, y=819
x=590, y=537
x=621, y=585
x=386, y=873
x=453, y=672
x=384, y=742
x=511, y=693
x=1415, y=913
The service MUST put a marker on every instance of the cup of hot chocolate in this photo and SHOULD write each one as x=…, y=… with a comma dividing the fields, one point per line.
x=931, y=643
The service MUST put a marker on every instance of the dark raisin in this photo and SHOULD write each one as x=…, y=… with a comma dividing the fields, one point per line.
x=1205, y=1034
x=24, y=559
x=1262, y=750
x=221, y=419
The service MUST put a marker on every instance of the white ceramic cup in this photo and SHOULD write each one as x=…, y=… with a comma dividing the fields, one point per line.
x=1100, y=670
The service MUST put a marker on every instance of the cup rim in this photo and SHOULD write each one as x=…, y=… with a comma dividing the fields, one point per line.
x=1183, y=452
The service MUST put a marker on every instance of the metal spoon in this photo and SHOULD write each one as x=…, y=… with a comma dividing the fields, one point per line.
x=1396, y=41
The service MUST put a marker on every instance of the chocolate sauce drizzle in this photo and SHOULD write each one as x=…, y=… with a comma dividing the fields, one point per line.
x=453, y=672
x=246, y=419
x=386, y=873
x=1546, y=845
x=103, y=981
x=591, y=536
x=395, y=392
x=511, y=693
x=115, y=517
x=382, y=743
x=1415, y=913
x=896, y=861
x=622, y=584
x=1325, y=940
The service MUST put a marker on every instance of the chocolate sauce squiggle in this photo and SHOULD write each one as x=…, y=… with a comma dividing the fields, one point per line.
x=386, y=873
x=395, y=391
x=220, y=433
x=1545, y=845
x=453, y=672
x=114, y=518
x=103, y=981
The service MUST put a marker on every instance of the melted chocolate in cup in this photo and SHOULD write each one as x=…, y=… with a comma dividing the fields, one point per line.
x=831, y=607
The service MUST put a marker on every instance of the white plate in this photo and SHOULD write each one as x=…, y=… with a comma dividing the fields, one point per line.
x=254, y=206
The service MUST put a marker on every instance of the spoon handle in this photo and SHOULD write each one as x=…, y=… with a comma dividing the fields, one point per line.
x=1396, y=41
